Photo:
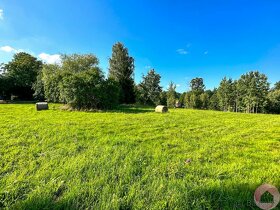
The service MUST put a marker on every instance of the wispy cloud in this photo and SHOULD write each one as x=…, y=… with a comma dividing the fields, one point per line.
x=8, y=49
x=50, y=59
x=148, y=67
x=205, y=52
x=182, y=51
x=1, y=14
x=178, y=85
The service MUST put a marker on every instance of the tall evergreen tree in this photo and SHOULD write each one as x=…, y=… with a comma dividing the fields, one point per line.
x=122, y=70
x=149, y=89
x=171, y=95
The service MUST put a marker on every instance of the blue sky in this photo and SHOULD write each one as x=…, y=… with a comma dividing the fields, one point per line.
x=180, y=39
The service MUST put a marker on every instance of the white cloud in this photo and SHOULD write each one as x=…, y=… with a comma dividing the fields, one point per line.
x=8, y=49
x=50, y=59
x=148, y=67
x=206, y=52
x=178, y=85
x=182, y=51
x=1, y=14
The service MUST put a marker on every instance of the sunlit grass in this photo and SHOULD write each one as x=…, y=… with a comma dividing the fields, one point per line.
x=135, y=159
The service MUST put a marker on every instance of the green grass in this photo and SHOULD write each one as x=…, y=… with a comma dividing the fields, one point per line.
x=135, y=159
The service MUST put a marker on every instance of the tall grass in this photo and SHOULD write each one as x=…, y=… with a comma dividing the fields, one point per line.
x=135, y=159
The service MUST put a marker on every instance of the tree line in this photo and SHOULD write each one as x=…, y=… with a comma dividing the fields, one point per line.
x=79, y=82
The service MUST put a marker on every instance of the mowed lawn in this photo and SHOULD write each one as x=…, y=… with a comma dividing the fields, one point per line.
x=135, y=159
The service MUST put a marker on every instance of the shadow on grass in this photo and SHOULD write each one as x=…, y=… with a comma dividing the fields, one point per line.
x=230, y=197
x=131, y=109
x=17, y=102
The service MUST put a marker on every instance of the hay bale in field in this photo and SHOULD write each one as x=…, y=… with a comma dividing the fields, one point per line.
x=42, y=106
x=161, y=109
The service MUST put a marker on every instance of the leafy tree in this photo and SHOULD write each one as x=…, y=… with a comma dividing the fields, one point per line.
x=225, y=94
x=214, y=101
x=80, y=83
x=110, y=94
x=38, y=87
x=52, y=77
x=163, y=98
x=22, y=71
x=205, y=100
x=5, y=84
x=171, y=95
x=253, y=88
x=122, y=71
x=182, y=98
x=195, y=101
x=149, y=89
x=276, y=86
x=82, y=90
x=193, y=97
x=197, y=86
x=273, y=105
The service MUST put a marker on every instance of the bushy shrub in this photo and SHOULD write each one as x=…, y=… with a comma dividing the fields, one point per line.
x=80, y=83
x=82, y=90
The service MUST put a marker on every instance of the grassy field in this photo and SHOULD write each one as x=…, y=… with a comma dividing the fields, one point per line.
x=135, y=159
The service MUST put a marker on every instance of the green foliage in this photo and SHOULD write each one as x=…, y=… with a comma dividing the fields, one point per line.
x=196, y=99
x=52, y=77
x=135, y=158
x=80, y=83
x=5, y=87
x=276, y=86
x=82, y=89
x=197, y=86
x=21, y=73
x=205, y=100
x=149, y=89
x=171, y=95
x=122, y=71
x=214, y=101
x=253, y=88
x=273, y=105
x=182, y=98
x=248, y=94
x=225, y=94
x=110, y=94
x=38, y=87
x=163, y=98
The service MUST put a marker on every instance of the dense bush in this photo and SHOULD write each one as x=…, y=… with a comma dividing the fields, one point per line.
x=80, y=83
x=51, y=78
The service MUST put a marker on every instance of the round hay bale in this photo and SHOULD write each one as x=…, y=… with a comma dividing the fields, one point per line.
x=161, y=109
x=42, y=106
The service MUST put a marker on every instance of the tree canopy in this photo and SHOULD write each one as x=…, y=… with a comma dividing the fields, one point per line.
x=149, y=89
x=21, y=73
